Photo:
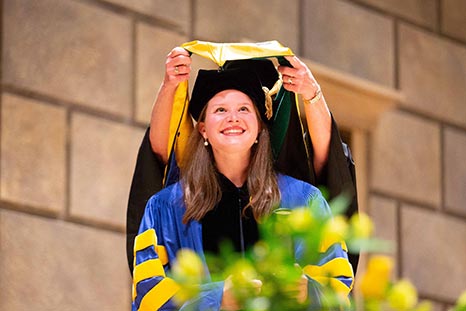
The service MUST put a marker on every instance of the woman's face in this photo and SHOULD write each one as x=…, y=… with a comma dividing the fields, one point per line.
x=231, y=123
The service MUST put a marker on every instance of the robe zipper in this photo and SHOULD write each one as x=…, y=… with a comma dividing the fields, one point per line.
x=241, y=237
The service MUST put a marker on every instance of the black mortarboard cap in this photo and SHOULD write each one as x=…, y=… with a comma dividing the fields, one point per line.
x=247, y=76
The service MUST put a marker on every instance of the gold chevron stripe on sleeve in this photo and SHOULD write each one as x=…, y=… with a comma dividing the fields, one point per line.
x=159, y=295
x=327, y=242
x=148, y=269
x=162, y=253
x=145, y=239
x=335, y=267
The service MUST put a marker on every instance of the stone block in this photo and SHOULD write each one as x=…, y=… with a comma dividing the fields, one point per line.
x=455, y=170
x=49, y=264
x=153, y=45
x=405, y=158
x=332, y=36
x=422, y=12
x=33, y=153
x=454, y=18
x=176, y=12
x=433, y=252
x=433, y=75
x=103, y=155
x=261, y=20
x=70, y=50
x=384, y=215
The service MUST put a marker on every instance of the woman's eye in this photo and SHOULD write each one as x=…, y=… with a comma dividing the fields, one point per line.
x=220, y=109
x=244, y=108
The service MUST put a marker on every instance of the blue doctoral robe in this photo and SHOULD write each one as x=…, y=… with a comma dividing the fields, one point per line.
x=162, y=234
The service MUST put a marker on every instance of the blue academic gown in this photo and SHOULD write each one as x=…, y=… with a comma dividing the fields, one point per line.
x=162, y=234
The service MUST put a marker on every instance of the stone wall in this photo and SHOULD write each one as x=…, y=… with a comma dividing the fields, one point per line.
x=78, y=78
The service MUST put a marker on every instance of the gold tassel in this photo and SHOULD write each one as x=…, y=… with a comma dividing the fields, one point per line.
x=268, y=97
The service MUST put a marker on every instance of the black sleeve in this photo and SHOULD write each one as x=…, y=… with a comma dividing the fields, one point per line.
x=339, y=176
x=147, y=180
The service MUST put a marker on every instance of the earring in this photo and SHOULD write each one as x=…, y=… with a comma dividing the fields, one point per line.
x=206, y=143
x=256, y=142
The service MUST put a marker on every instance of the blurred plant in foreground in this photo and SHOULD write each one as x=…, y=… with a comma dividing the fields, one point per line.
x=461, y=303
x=267, y=276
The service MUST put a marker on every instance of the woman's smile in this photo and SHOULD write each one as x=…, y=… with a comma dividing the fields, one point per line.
x=232, y=130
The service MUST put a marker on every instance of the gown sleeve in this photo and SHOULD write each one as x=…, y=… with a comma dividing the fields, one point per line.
x=333, y=268
x=153, y=289
x=339, y=176
x=147, y=180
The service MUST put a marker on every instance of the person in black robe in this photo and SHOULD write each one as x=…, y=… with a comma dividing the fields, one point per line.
x=296, y=157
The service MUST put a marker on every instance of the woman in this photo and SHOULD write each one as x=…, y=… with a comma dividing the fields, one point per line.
x=228, y=183
x=330, y=165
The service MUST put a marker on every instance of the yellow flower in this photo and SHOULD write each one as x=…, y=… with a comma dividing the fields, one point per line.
x=242, y=273
x=336, y=229
x=361, y=225
x=244, y=280
x=461, y=302
x=381, y=265
x=372, y=287
x=424, y=306
x=402, y=296
x=300, y=219
x=462, y=299
x=185, y=293
x=188, y=266
x=188, y=271
x=375, y=281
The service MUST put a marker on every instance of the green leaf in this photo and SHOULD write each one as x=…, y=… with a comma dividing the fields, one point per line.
x=340, y=204
x=372, y=245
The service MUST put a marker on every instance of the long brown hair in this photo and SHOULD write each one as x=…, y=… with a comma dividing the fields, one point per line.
x=200, y=182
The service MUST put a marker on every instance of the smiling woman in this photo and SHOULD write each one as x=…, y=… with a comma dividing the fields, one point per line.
x=247, y=156
x=228, y=183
